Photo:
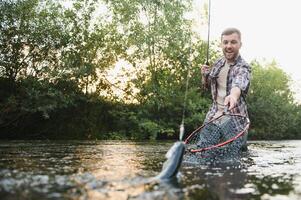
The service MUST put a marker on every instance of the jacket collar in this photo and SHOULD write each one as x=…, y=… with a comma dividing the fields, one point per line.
x=220, y=63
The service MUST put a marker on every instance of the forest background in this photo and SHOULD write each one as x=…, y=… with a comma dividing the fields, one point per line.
x=110, y=69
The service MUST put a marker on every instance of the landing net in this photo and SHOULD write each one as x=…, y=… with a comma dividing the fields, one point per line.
x=225, y=134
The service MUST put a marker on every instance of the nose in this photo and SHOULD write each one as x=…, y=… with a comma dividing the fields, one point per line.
x=228, y=45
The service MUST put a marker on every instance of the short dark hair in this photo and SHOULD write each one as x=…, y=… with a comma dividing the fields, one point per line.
x=229, y=31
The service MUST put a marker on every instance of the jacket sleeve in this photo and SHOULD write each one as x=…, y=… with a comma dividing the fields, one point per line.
x=242, y=78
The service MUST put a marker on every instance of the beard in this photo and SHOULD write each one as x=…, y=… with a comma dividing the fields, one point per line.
x=230, y=55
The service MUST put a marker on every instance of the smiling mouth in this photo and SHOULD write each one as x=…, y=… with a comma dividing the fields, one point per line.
x=229, y=53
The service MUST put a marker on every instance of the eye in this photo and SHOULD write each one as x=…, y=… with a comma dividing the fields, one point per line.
x=233, y=41
x=225, y=42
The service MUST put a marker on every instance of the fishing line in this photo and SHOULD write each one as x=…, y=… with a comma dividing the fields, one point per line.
x=182, y=127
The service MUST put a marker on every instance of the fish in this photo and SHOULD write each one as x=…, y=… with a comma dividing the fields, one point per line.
x=173, y=161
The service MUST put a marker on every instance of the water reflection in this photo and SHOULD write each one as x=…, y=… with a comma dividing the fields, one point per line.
x=122, y=170
x=215, y=181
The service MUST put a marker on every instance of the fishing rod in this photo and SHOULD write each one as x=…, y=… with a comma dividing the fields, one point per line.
x=208, y=36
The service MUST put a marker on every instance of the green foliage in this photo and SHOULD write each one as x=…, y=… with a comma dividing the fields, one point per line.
x=272, y=109
x=49, y=56
x=53, y=81
x=30, y=39
x=162, y=52
x=149, y=129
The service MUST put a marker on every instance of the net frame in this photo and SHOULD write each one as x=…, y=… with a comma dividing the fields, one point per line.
x=241, y=132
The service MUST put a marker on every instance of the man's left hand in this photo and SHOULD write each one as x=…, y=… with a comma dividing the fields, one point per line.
x=230, y=101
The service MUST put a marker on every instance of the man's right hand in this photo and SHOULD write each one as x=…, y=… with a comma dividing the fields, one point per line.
x=205, y=70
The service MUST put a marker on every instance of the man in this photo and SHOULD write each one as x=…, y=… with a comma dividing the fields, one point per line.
x=229, y=81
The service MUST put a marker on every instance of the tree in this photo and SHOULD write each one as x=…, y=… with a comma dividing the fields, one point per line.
x=271, y=104
x=160, y=48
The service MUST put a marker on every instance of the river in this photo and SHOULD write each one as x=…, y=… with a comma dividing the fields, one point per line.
x=123, y=170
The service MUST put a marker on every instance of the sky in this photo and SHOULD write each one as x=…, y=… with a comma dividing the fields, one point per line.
x=270, y=30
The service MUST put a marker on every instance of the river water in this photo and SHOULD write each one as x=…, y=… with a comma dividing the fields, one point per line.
x=123, y=170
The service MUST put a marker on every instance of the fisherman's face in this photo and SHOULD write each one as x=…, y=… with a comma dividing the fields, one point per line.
x=230, y=46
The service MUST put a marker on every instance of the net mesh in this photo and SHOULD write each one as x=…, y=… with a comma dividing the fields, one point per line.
x=216, y=132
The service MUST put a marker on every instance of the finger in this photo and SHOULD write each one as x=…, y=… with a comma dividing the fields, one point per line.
x=226, y=102
x=233, y=103
x=205, y=70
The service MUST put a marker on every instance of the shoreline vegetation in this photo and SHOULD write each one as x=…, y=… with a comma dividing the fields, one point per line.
x=117, y=70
